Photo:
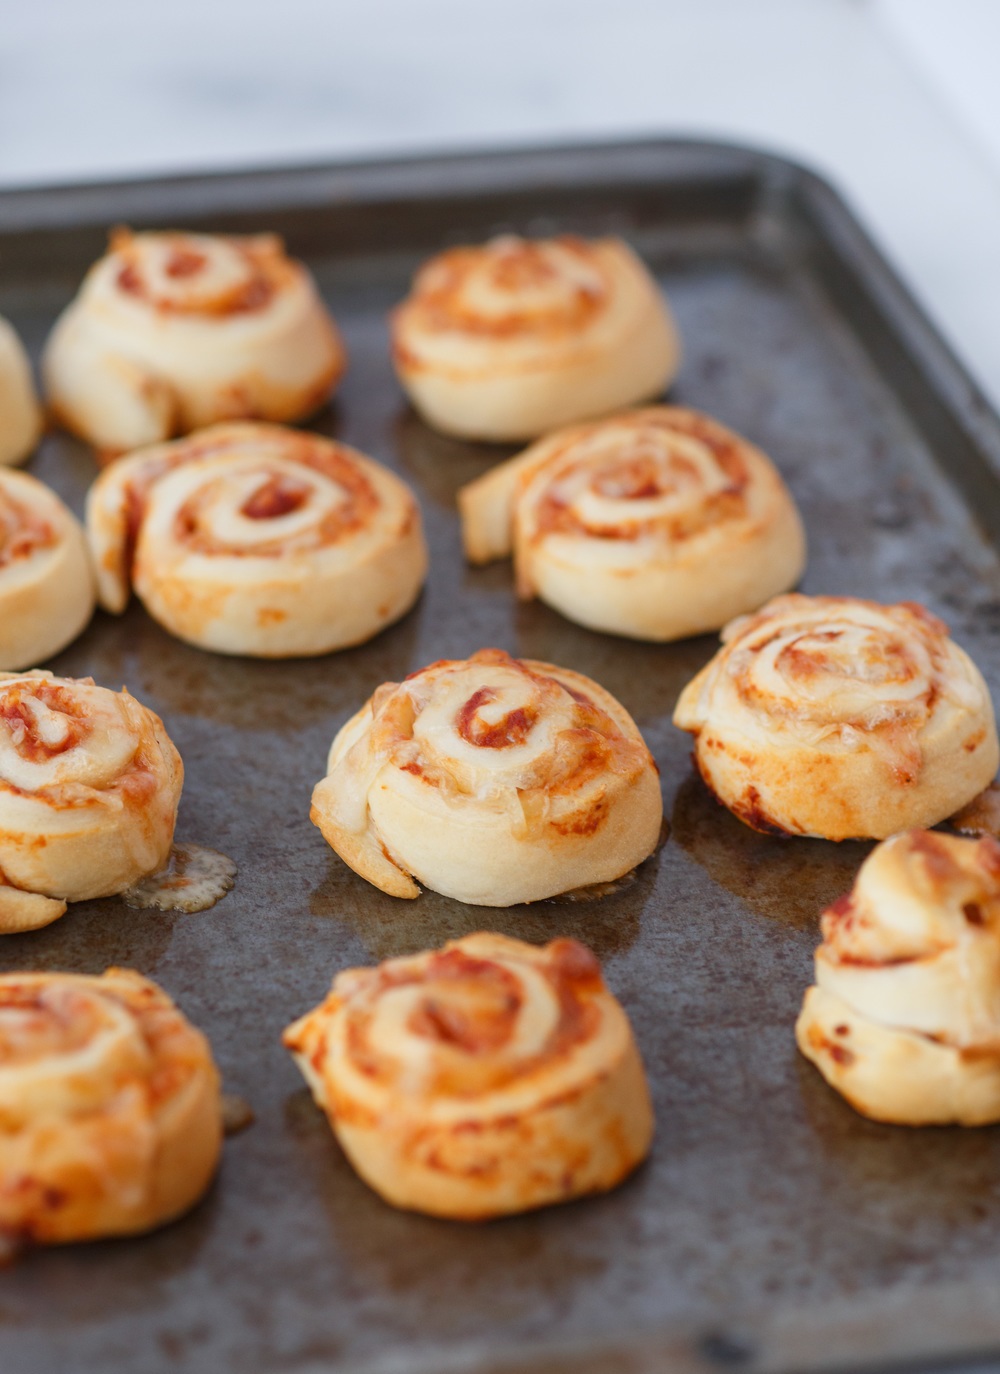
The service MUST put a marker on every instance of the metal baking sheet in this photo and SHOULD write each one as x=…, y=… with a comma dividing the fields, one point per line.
x=772, y=1228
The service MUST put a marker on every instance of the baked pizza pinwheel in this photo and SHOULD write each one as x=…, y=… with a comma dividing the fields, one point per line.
x=492, y=780
x=904, y=1019
x=109, y=1103
x=46, y=584
x=172, y=331
x=840, y=718
x=481, y=1079
x=20, y=413
x=513, y=338
x=89, y=787
x=656, y=524
x=253, y=539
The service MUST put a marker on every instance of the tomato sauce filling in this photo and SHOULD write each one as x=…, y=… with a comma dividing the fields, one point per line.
x=21, y=531
x=439, y=304
x=644, y=470
x=472, y=1005
x=511, y=729
x=185, y=264
x=278, y=496
x=23, y=727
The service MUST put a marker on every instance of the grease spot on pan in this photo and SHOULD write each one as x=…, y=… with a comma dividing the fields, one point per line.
x=194, y=879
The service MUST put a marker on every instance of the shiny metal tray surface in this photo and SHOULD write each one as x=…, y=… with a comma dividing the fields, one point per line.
x=772, y=1229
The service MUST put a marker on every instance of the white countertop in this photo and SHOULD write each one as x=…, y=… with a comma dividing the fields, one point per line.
x=864, y=90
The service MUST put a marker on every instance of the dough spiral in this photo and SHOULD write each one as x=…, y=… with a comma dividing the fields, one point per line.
x=904, y=1019
x=656, y=524
x=46, y=584
x=89, y=787
x=20, y=413
x=253, y=539
x=840, y=718
x=492, y=780
x=484, y=1078
x=512, y=338
x=172, y=331
x=110, y=1121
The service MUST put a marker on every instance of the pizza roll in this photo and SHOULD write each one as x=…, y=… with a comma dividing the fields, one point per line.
x=484, y=1078
x=513, y=338
x=904, y=1019
x=20, y=413
x=110, y=1106
x=252, y=539
x=89, y=787
x=656, y=524
x=492, y=780
x=46, y=583
x=172, y=331
x=840, y=718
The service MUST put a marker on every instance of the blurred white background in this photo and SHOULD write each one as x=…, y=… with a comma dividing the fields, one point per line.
x=896, y=100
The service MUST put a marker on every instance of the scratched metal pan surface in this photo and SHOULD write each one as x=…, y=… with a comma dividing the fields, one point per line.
x=772, y=1228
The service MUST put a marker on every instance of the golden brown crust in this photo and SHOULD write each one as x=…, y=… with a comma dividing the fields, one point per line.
x=47, y=591
x=109, y=1107
x=512, y=338
x=172, y=331
x=905, y=1018
x=249, y=538
x=509, y=289
x=89, y=787
x=841, y=718
x=485, y=1078
x=656, y=523
x=493, y=780
x=172, y=273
